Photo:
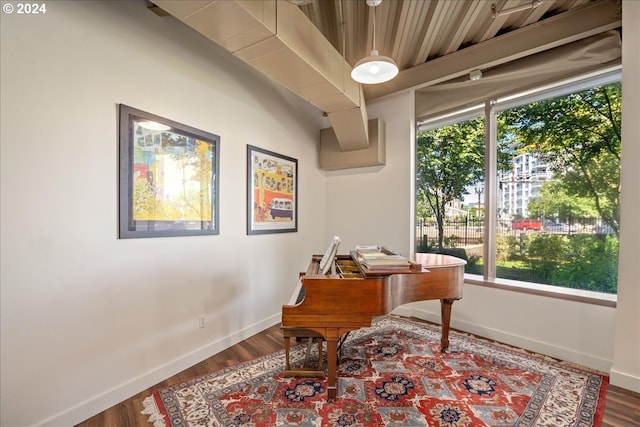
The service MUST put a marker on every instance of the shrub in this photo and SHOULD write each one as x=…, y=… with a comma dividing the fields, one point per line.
x=545, y=254
x=507, y=247
x=593, y=264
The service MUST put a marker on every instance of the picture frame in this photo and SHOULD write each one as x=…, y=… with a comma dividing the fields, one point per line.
x=168, y=177
x=272, y=192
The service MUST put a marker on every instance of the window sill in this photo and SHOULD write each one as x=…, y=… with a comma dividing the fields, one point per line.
x=579, y=295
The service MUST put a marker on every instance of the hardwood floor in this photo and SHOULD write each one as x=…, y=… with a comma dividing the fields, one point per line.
x=622, y=407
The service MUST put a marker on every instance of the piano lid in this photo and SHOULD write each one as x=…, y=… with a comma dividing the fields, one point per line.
x=431, y=261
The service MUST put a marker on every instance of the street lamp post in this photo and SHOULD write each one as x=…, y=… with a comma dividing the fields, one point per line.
x=479, y=190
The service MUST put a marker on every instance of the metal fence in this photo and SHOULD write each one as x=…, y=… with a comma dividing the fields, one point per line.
x=466, y=231
x=459, y=232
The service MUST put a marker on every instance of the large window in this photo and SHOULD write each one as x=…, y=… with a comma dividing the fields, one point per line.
x=527, y=189
x=450, y=159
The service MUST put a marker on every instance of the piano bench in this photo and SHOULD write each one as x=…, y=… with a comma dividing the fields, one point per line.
x=306, y=370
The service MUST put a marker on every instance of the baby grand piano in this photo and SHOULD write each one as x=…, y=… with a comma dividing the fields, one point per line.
x=352, y=294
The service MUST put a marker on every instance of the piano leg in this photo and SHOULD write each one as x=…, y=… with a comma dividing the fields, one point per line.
x=332, y=365
x=306, y=369
x=445, y=313
x=287, y=345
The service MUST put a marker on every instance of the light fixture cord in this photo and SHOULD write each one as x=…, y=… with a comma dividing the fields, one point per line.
x=342, y=26
x=374, y=28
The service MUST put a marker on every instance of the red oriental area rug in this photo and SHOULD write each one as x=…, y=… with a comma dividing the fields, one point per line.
x=393, y=374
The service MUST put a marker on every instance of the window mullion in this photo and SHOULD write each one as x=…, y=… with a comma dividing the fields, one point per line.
x=490, y=189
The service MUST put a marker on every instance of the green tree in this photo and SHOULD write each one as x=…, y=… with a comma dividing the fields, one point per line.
x=579, y=135
x=554, y=202
x=448, y=159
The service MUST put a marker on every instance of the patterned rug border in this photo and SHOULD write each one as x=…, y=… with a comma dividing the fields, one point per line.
x=459, y=341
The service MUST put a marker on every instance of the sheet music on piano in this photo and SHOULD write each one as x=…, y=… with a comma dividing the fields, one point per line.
x=329, y=255
x=325, y=265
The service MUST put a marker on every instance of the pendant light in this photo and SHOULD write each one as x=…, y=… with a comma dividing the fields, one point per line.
x=374, y=68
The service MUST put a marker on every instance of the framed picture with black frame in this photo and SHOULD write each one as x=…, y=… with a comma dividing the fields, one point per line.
x=272, y=192
x=168, y=177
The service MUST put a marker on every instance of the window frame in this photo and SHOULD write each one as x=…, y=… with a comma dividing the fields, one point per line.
x=489, y=110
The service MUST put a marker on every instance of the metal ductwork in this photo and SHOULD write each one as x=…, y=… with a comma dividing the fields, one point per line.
x=277, y=39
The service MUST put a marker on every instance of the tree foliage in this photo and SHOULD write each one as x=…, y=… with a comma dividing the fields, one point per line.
x=555, y=202
x=579, y=135
x=448, y=160
x=582, y=261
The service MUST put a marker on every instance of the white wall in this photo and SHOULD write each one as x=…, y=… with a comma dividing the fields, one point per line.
x=626, y=364
x=87, y=319
x=369, y=206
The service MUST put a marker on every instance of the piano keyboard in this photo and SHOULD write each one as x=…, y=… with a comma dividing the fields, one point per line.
x=298, y=294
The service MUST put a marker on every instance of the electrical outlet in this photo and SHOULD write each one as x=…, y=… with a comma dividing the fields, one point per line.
x=201, y=323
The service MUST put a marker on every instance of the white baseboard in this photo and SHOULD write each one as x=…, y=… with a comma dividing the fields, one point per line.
x=406, y=311
x=624, y=380
x=119, y=393
x=549, y=349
